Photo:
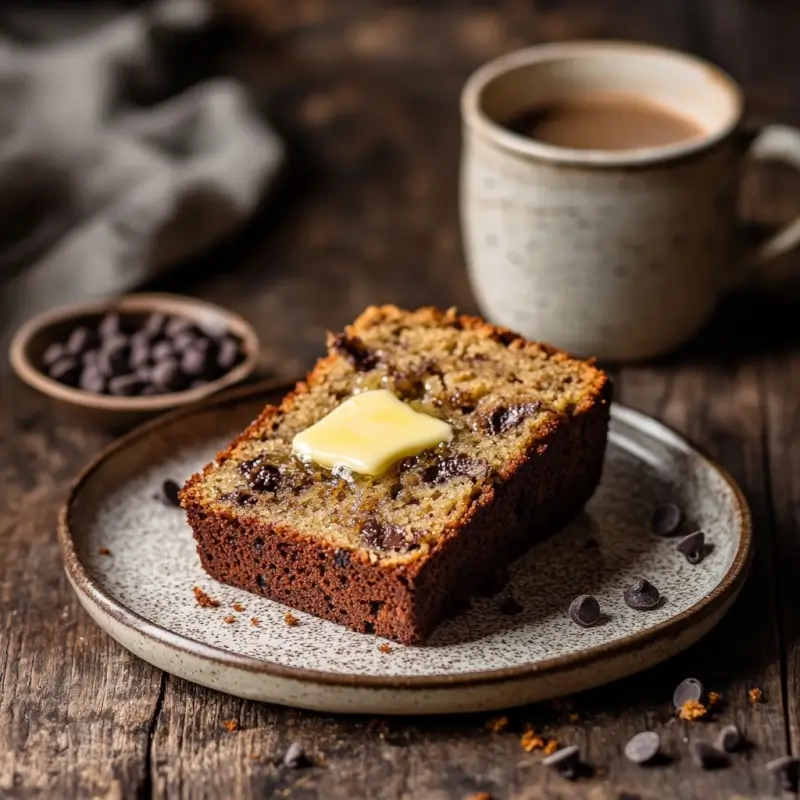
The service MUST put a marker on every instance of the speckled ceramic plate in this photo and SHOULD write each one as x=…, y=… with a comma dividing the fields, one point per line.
x=141, y=592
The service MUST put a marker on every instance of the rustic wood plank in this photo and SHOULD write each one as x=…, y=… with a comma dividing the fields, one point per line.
x=75, y=708
x=782, y=390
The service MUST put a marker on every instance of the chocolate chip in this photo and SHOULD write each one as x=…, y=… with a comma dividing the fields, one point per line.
x=110, y=325
x=154, y=325
x=383, y=536
x=125, y=385
x=341, y=558
x=227, y=353
x=730, y=739
x=445, y=468
x=642, y=595
x=183, y=340
x=66, y=370
x=168, y=377
x=140, y=352
x=197, y=359
x=707, y=756
x=643, y=747
x=510, y=607
x=81, y=339
x=295, y=757
x=355, y=351
x=114, y=354
x=240, y=497
x=686, y=690
x=261, y=581
x=566, y=761
x=93, y=380
x=55, y=352
x=585, y=610
x=178, y=325
x=503, y=419
x=162, y=350
x=693, y=547
x=258, y=545
x=667, y=519
x=261, y=476
x=168, y=493
x=787, y=771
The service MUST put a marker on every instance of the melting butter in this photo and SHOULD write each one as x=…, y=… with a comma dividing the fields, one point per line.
x=368, y=432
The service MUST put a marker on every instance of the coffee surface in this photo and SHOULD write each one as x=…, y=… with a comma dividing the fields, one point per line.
x=604, y=122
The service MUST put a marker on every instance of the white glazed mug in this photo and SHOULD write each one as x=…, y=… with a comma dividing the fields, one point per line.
x=620, y=254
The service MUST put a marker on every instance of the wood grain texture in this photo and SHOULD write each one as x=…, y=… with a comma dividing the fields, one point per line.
x=365, y=94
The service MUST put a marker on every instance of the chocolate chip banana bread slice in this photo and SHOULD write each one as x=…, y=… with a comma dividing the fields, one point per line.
x=393, y=553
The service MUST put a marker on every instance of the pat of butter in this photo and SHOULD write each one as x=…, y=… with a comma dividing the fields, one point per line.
x=368, y=432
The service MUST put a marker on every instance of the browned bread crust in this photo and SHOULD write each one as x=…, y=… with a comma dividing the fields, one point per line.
x=402, y=594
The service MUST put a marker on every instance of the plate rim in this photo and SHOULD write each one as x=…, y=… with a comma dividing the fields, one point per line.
x=721, y=595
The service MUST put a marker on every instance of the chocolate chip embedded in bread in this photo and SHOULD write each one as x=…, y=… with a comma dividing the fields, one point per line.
x=446, y=467
x=503, y=418
x=382, y=536
x=341, y=558
x=355, y=351
x=260, y=475
x=240, y=497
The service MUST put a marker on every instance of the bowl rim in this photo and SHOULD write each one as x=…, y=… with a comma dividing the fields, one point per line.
x=181, y=305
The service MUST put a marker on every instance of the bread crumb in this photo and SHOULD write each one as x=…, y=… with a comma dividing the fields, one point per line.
x=574, y=717
x=255, y=621
x=480, y=796
x=756, y=696
x=385, y=648
x=551, y=747
x=497, y=725
x=714, y=698
x=254, y=756
x=290, y=619
x=104, y=551
x=238, y=607
x=530, y=741
x=204, y=600
x=230, y=725
x=230, y=618
x=692, y=710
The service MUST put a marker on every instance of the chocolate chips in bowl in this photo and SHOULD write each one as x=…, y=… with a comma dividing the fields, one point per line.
x=120, y=361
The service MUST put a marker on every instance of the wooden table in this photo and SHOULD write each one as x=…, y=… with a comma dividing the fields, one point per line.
x=366, y=95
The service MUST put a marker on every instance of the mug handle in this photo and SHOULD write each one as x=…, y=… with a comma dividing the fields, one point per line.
x=772, y=143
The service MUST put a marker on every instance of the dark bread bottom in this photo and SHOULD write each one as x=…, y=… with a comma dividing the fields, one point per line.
x=405, y=603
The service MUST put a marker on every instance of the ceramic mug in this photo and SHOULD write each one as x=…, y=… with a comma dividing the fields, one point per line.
x=620, y=254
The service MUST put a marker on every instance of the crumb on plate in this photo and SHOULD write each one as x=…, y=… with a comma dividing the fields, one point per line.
x=238, y=607
x=530, y=741
x=290, y=619
x=756, y=696
x=230, y=618
x=255, y=621
x=230, y=725
x=204, y=600
x=385, y=648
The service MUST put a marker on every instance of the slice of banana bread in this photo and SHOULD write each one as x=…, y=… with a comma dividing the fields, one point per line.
x=394, y=554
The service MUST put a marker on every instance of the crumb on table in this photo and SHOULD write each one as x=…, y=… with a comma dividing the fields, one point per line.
x=238, y=607
x=204, y=600
x=692, y=710
x=230, y=618
x=104, y=551
x=531, y=741
x=756, y=696
x=230, y=725
x=290, y=619
x=385, y=648
x=497, y=725
x=551, y=747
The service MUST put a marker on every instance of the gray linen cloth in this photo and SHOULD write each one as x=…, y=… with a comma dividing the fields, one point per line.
x=98, y=192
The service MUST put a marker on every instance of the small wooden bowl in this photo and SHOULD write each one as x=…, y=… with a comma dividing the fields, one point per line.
x=34, y=337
